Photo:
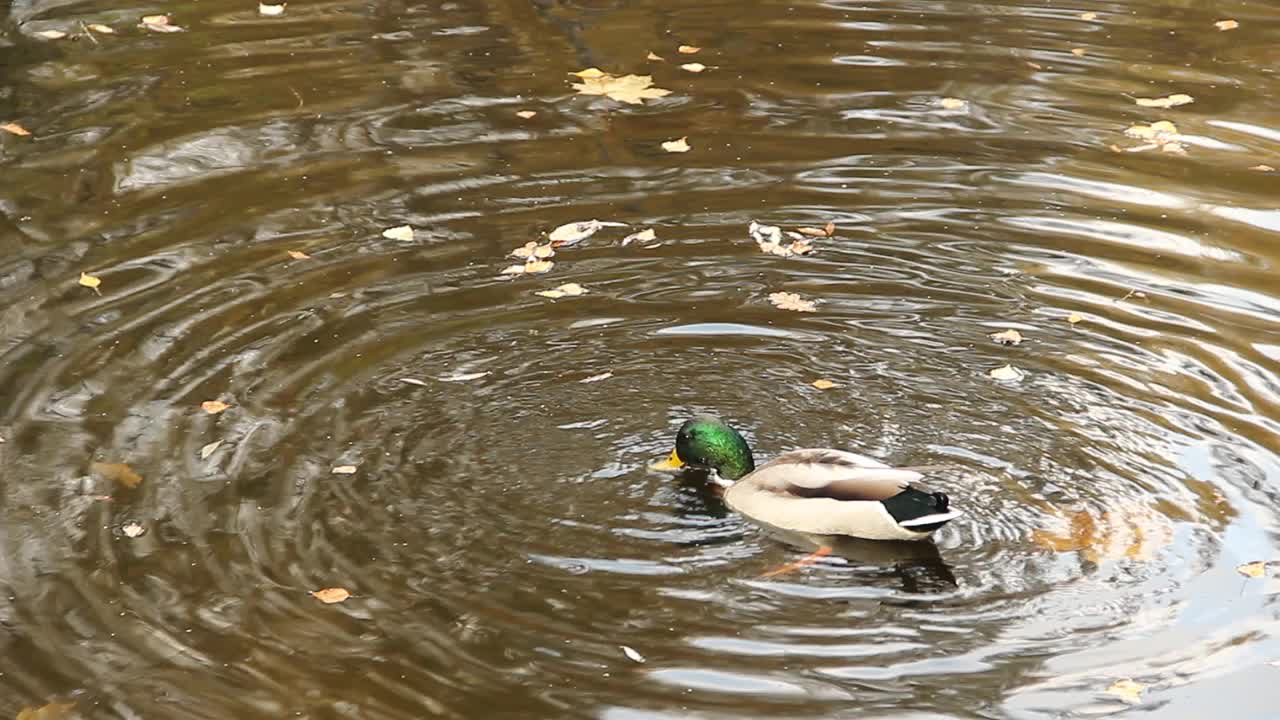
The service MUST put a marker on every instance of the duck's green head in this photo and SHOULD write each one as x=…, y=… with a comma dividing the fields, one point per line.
x=707, y=442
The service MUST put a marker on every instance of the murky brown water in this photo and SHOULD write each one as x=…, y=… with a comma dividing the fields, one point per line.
x=502, y=534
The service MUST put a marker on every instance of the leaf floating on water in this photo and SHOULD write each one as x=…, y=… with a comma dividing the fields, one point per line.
x=1078, y=52
x=344, y=470
x=118, y=473
x=950, y=103
x=160, y=23
x=575, y=232
x=566, y=290
x=688, y=50
x=1007, y=337
x=769, y=239
x=1075, y=318
x=91, y=282
x=404, y=233
x=1089, y=16
x=15, y=129
x=51, y=34
x=1161, y=134
x=1226, y=24
x=332, y=595
x=133, y=529
x=792, y=301
x=533, y=250
x=646, y=235
x=465, y=377
x=213, y=407
x=271, y=10
x=1127, y=690
x=52, y=711
x=1254, y=569
x=631, y=654
x=597, y=378
x=654, y=56
x=299, y=255
x=103, y=29
x=631, y=89
x=1166, y=102
x=827, y=231
x=531, y=267
x=1005, y=372
x=693, y=67
x=526, y=114
x=824, y=384
x=678, y=145
x=1263, y=168
x=210, y=449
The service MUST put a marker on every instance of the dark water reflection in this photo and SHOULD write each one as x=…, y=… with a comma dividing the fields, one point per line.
x=502, y=534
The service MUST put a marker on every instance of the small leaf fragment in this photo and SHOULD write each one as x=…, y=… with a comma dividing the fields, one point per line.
x=343, y=470
x=1007, y=337
x=1078, y=52
x=688, y=49
x=646, y=235
x=210, y=449
x=566, y=290
x=1005, y=372
x=299, y=255
x=590, y=73
x=1165, y=102
x=1226, y=24
x=1263, y=168
x=533, y=250
x=1089, y=16
x=526, y=114
x=160, y=24
x=1127, y=690
x=133, y=529
x=118, y=473
x=678, y=145
x=631, y=654
x=827, y=231
x=332, y=595
x=597, y=378
x=403, y=233
x=1254, y=569
x=271, y=10
x=213, y=407
x=792, y=301
x=51, y=34
x=1075, y=318
x=950, y=103
x=654, y=56
x=693, y=67
x=103, y=29
x=15, y=129
x=90, y=281
x=824, y=384
x=575, y=232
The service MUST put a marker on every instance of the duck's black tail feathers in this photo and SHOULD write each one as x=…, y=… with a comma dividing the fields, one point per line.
x=919, y=510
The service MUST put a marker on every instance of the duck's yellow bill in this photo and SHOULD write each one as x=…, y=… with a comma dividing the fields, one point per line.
x=673, y=462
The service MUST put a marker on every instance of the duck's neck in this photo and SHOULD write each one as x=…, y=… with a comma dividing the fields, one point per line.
x=737, y=463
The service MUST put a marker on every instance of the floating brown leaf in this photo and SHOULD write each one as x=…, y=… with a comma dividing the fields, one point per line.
x=792, y=301
x=51, y=34
x=1005, y=372
x=1007, y=337
x=950, y=103
x=526, y=114
x=1089, y=16
x=100, y=28
x=210, y=449
x=693, y=67
x=1226, y=24
x=1162, y=134
x=160, y=24
x=566, y=290
x=90, y=282
x=678, y=145
x=1078, y=52
x=213, y=407
x=1165, y=102
x=824, y=384
x=118, y=473
x=403, y=233
x=646, y=235
x=827, y=231
x=331, y=595
x=15, y=129
x=631, y=89
x=654, y=56
x=531, y=266
x=1254, y=569
x=299, y=255
x=688, y=50
x=1127, y=690
x=575, y=232
x=533, y=250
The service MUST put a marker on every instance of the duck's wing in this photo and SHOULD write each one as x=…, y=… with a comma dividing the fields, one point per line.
x=835, y=474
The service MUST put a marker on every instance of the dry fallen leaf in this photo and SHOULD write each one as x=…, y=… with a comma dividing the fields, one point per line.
x=654, y=56
x=792, y=301
x=678, y=145
x=1075, y=318
x=824, y=384
x=51, y=34
x=693, y=67
x=631, y=654
x=1166, y=102
x=1078, y=52
x=827, y=231
x=299, y=255
x=271, y=10
x=1263, y=168
x=332, y=595
x=566, y=290
x=531, y=267
x=769, y=239
x=526, y=114
x=15, y=129
x=91, y=281
x=632, y=89
x=209, y=449
x=213, y=407
x=133, y=529
x=688, y=49
x=1127, y=690
x=1007, y=337
x=532, y=249
x=160, y=23
x=1161, y=134
x=597, y=378
x=950, y=103
x=646, y=235
x=1089, y=16
x=343, y=470
x=403, y=233
x=1005, y=372
x=52, y=711
x=1254, y=569
x=1226, y=24
x=118, y=473
x=100, y=28
x=589, y=73
x=575, y=232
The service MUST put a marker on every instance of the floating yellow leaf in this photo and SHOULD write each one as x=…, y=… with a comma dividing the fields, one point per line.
x=52, y=711
x=1127, y=690
x=824, y=384
x=1226, y=24
x=1005, y=372
x=950, y=103
x=271, y=10
x=1263, y=168
x=688, y=49
x=159, y=23
x=15, y=129
x=403, y=233
x=526, y=114
x=118, y=473
x=693, y=67
x=532, y=249
x=566, y=290
x=209, y=449
x=1165, y=102
x=213, y=407
x=646, y=235
x=531, y=266
x=632, y=89
x=332, y=595
x=51, y=34
x=827, y=231
x=91, y=281
x=792, y=301
x=344, y=470
x=590, y=73
x=1007, y=337
x=1075, y=318
x=654, y=56
x=678, y=145
x=1254, y=569
x=1078, y=52
x=299, y=255
x=1089, y=16
x=100, y=28
x=1162, y=134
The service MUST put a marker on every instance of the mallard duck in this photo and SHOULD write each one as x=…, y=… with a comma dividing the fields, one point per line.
x=813, y=491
